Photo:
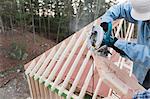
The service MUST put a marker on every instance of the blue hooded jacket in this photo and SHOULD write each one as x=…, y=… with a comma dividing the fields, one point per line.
x=138, y=52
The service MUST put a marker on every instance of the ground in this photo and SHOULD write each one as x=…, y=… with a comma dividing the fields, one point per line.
x=16, y=88
x=13, y=84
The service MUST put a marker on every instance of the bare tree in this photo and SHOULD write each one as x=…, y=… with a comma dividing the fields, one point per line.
x=32, y=16
x=1, y=25
x=78, y=4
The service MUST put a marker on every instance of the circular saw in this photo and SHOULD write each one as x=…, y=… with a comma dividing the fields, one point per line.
x=95, y=41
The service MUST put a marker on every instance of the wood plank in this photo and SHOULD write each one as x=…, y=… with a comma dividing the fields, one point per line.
x=33, y=88
x=113, y=74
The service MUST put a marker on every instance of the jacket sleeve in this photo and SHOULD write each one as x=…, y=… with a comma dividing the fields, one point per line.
x=117, y=12
x=137, y=52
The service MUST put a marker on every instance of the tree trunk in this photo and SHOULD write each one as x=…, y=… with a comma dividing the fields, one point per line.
x=45, y=32
x=25, y=24
x=40, y=25
x=76, y=23
x=11, y=24
x=20, y=17
x=58, y=31
x=78, y=17
x=1, y=25
x=33, y=28
x=48, y=29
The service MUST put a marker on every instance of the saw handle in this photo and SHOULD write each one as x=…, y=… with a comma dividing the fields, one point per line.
x=107, y=27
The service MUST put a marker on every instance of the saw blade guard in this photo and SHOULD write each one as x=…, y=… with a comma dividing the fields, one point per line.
x=95, y=37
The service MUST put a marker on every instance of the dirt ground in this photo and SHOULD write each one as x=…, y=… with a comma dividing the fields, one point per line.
x=16, y=88
x=13, y=84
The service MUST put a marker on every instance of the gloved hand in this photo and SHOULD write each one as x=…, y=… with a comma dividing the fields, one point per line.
x=107, y=27
x=108, y=39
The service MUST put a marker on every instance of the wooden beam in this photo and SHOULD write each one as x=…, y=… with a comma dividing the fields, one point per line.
x=115, y=77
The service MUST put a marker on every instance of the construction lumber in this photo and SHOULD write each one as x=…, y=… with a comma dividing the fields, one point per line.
x=116, y=78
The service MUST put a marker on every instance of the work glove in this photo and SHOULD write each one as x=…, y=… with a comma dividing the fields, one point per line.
x=108, y=39
x=107, y=27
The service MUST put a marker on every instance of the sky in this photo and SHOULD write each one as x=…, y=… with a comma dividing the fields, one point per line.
x=120, y=1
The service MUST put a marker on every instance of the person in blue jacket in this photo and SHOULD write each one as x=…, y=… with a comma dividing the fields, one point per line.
x=134, y=11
